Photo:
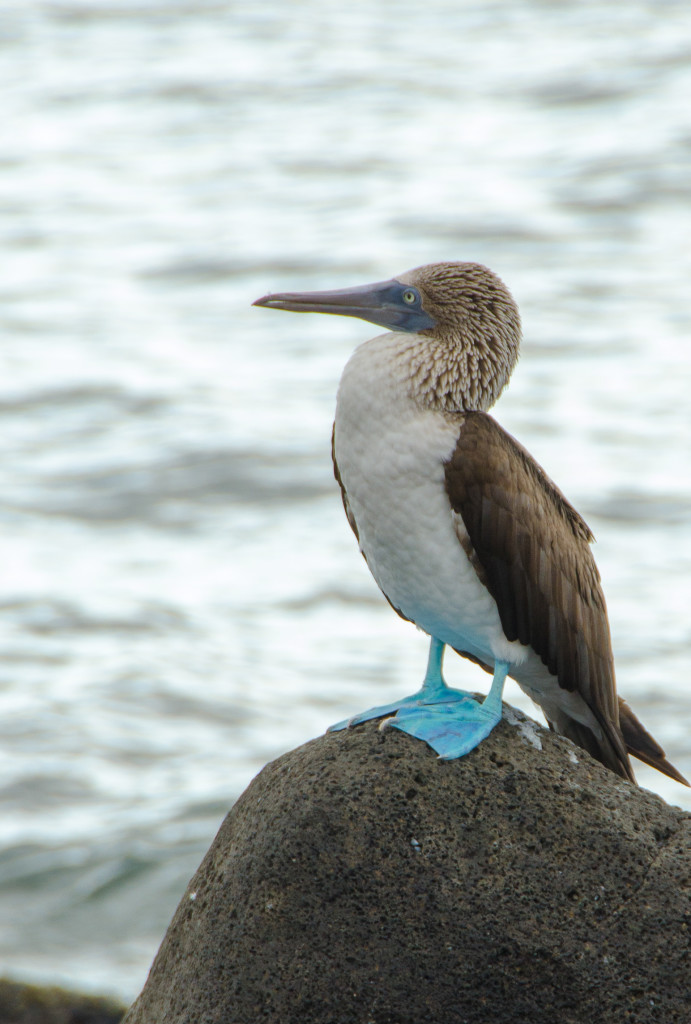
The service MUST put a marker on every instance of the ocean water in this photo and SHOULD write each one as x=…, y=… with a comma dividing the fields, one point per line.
x=181, y=598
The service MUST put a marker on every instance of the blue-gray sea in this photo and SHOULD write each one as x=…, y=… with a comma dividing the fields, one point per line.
x=181, y=599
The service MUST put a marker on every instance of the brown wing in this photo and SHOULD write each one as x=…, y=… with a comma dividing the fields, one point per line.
x=344, y=497
x=532, y=551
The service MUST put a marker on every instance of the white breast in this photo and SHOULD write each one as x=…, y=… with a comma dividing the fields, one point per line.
x=390, y=454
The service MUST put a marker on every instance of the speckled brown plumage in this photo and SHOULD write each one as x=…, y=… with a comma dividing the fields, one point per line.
x=468, y=357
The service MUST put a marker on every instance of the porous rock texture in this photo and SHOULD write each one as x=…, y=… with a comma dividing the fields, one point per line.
x=360, y=880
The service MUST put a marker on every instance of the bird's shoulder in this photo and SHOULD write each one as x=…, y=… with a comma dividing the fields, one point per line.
x=490, y=467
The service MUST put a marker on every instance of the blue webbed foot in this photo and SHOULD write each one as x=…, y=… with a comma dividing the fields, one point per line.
x=450, y=721
x=452, y=730
x=415, y=701
x=366, y=716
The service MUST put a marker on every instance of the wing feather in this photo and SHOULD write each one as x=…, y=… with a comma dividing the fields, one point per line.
x=534, y=551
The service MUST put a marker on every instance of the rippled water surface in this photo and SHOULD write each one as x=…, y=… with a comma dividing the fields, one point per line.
x=181, y=597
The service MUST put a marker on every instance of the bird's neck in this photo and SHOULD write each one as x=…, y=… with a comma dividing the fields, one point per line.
x=450, y=375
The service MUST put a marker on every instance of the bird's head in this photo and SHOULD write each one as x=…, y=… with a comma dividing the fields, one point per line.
x=463, y=313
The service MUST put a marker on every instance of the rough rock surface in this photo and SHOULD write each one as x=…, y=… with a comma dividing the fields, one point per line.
x=359, y=879
x=36, y=1004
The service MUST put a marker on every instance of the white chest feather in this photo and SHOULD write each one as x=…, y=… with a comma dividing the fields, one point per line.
x=391, y=454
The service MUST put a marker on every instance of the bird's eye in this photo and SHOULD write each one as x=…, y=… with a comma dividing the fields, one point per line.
x=409, y=296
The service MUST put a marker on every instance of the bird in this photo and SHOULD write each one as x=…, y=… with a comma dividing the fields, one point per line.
x=465, y=534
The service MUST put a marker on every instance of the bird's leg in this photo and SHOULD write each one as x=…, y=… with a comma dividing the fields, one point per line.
x=433, y=691
x=454, y=729
x=434, y=686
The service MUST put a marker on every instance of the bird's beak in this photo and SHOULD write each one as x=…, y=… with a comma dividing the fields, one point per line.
x=381, y=303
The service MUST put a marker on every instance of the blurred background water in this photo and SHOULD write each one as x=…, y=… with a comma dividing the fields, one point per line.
x=181, y=598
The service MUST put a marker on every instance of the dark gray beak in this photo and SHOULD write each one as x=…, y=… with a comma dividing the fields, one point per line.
x=387, y=303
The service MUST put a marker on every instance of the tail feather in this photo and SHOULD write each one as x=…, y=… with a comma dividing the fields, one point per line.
x=617, y=742
x=641, y=744
x=603, y=749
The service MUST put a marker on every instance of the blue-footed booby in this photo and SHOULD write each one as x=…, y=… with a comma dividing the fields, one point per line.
x=465, y=534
